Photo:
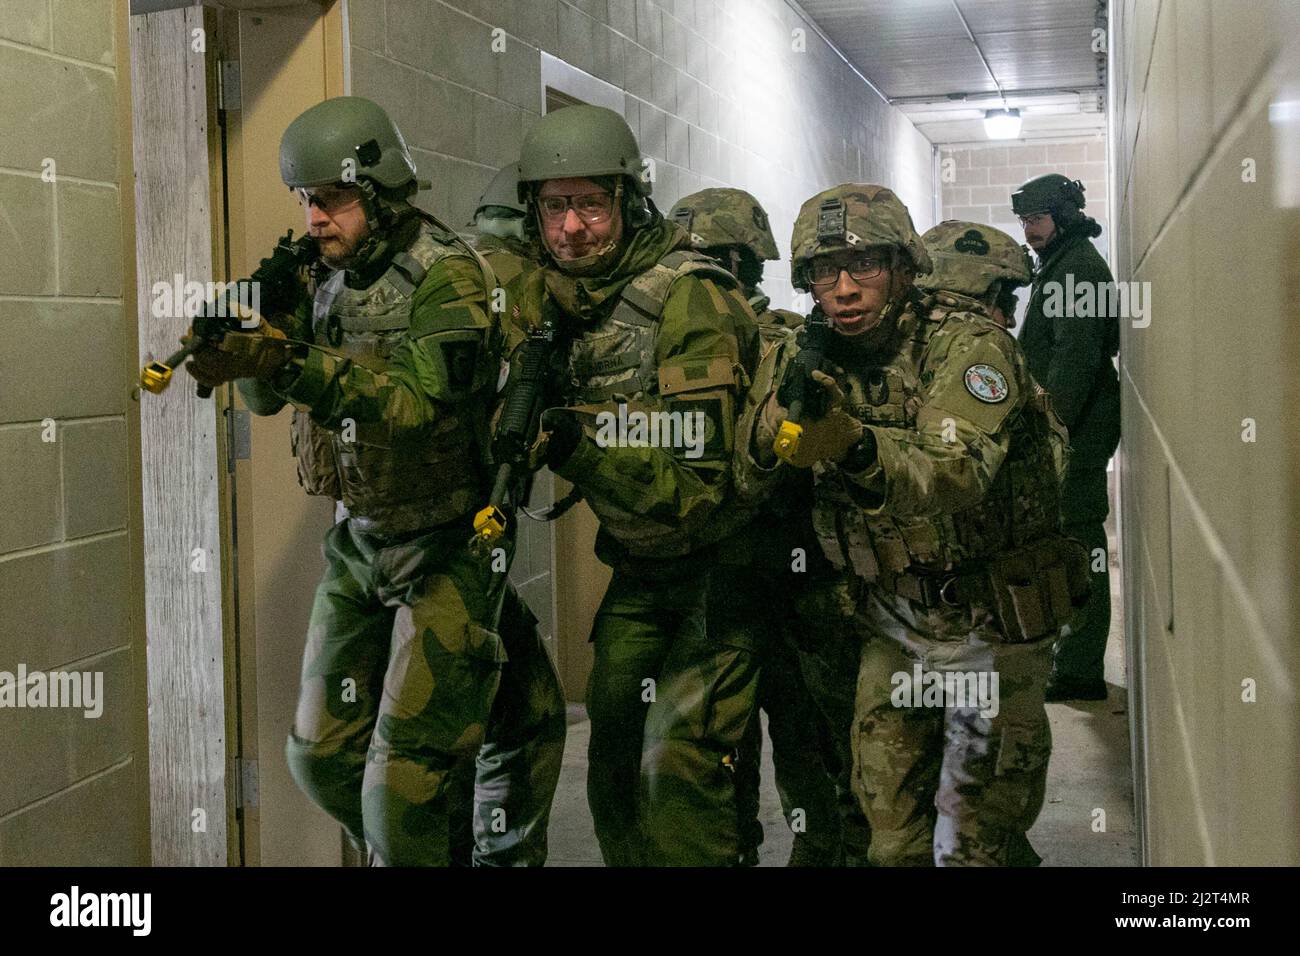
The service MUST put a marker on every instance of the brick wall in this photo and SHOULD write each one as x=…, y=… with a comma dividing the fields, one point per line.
x=72, y=790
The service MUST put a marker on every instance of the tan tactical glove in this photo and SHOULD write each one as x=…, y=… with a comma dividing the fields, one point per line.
x=257, y=354
x=829, y=438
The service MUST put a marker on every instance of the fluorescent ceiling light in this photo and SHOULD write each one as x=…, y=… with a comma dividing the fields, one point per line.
x=1002, y=124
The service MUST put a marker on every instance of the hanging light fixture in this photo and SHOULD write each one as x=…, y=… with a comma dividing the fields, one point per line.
x=1002, y=124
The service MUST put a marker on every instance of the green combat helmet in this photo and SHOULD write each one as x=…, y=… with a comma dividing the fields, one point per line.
x=345, y=139
x=970, y=257
x=580, y=142
x=853, y=216
x=586, y=142
x=502, y=193
x=1051, y=193
x=726, y=217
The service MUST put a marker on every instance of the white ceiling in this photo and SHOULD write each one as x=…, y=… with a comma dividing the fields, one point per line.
x=1035, y=53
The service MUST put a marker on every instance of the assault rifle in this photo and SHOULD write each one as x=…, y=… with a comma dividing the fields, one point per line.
x=799, y=393
x=516, y=431
x=277, y=285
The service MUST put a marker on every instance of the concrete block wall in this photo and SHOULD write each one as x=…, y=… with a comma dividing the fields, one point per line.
x=1209, y=469
x=719, y=92
x=73, y=790
x=978, y=184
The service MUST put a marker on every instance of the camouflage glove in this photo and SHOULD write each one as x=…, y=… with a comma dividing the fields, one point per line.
x=831, y=437
x=257, y=354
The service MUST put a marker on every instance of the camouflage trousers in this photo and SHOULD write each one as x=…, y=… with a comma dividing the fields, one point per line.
x=957, y=779
x=756, y=604
x=829, y=650
x=430, y=721
x=669, y=708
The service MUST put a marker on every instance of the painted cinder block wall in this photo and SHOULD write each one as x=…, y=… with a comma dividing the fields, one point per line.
x=981, y=179
x=1210, y=523
x=73, y=790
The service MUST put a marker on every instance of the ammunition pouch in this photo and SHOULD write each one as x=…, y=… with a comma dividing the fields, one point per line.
x=313, y=446
x=1039, y=588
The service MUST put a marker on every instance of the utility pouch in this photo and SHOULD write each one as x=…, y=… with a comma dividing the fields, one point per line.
x=313, y=446
x=1036, y=589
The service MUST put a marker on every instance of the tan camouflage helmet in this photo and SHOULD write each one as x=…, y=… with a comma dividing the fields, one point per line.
x=853, y=216
x=726, y=217
x=969, y=257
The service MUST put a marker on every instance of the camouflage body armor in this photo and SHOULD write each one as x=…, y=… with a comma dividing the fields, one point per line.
x=389, y=484
x=1018, y=515
x=615, y=358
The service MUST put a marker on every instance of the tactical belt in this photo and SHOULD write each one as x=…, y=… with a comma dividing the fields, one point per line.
x=941, y=589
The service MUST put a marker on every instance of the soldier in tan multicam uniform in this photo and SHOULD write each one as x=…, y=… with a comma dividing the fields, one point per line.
x=937, y=493
x=420, y=660
x=978, y=267
x=773, y=556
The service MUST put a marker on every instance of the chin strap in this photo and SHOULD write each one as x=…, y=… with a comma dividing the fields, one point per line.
x=593, y=264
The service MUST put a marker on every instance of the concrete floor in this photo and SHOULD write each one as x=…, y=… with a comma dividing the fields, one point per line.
x=1090, y=770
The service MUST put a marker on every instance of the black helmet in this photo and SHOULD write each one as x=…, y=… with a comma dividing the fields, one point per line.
x=1052, y=193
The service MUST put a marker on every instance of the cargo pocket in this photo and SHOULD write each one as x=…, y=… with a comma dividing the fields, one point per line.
x=461, y=686
x=1023, y=749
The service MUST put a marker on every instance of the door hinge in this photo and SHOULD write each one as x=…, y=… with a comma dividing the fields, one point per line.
x=245, y=780
x=229, y=94
x=240, y=446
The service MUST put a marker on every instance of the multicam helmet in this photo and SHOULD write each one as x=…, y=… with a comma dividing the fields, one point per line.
x=726, y=217
x=580, y=142
x=343, y=137
x=969, y=257
x=854, y=216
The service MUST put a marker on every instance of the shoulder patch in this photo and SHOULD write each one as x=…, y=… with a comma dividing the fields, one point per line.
x=986, y=383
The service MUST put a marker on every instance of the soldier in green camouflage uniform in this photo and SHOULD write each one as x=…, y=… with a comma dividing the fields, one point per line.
x=419, y=659
x=648, y=325
x=498, y=228
x=763, y=570
x=936, y=464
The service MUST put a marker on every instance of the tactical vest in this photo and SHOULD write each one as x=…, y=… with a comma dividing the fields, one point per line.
x=1021, y=507
x=615, y=360
x=390, y=482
